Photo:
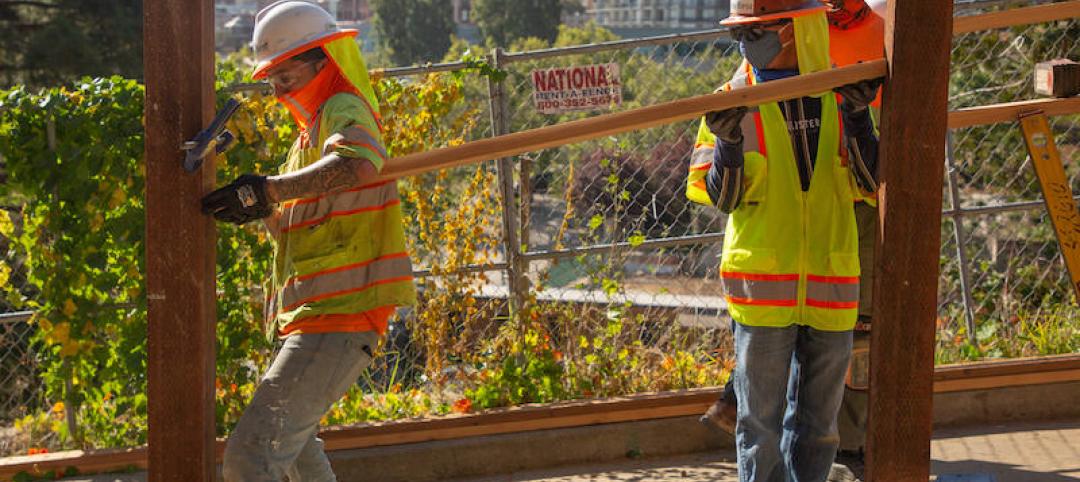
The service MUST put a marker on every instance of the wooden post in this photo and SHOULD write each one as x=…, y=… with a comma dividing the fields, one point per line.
x=918, y=39
x=179, y=70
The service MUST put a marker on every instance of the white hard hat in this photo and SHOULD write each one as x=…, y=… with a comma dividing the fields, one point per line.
x=878, y=7
x=288, y=27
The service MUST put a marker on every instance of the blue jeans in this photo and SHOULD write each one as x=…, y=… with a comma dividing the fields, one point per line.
x=276, y=434
x=789, y=383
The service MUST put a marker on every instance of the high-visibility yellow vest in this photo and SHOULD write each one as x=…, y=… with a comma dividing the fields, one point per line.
x=342, y=253
x=791, y=257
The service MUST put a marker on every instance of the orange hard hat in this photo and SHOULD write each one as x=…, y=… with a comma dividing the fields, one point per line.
x=861, y=41
x=756, y=11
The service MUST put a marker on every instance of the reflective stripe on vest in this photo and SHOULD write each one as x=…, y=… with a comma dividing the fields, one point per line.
x=314, y=211
x=832, y=292
x=760, y=289
x=344, y=279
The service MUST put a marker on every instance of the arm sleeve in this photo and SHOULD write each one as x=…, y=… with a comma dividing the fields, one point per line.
x=353, y=131
x=862, y=143
x=716, y=173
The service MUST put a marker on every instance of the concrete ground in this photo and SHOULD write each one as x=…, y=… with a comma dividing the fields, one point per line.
x=1046, y=452
x=1024, y=452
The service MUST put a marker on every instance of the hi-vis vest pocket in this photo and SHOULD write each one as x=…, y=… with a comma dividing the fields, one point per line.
x=752, y=260
x=844, y=264
x=844, y=179
x=755, y=169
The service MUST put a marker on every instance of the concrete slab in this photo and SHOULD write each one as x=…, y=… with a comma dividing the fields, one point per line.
x=1015, y=452
x=700, y=467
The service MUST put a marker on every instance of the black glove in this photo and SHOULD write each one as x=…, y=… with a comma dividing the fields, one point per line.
x=858, y=96
x=724, y=124
x=241, y=201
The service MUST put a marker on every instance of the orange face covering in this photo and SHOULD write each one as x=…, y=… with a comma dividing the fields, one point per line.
x=305, y=102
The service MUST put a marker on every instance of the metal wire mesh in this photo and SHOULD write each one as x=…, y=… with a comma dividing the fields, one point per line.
x=20, y=390
x=1014, y=270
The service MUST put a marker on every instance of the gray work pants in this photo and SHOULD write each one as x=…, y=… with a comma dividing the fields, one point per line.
x=276, y=436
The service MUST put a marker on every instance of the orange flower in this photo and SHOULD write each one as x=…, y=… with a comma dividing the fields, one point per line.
x=668, y=363
x=462, y=406
x=36, y=450
x=557, y=354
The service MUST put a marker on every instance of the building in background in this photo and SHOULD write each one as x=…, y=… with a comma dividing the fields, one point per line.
x=634, y=18
x=354, y=10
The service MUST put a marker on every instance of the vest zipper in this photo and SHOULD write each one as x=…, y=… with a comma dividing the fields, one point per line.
x=804, y=246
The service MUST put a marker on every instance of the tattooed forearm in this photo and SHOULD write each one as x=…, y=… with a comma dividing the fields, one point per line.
x=330, y=174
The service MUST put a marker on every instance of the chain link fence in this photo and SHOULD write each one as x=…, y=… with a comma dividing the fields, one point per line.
x=1002, y=273
x=602, y=227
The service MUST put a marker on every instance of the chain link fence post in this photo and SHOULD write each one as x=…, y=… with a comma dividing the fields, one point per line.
x=961, y=237
x=499, y=104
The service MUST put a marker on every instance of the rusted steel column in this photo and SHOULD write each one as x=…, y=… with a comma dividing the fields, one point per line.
x=179, y=70
x=918, y=37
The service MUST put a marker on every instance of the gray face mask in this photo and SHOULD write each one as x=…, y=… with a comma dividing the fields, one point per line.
x=762, y=49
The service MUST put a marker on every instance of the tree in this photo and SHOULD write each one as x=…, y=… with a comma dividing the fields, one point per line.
x=415, y=30
x=48, y=42
x=503, y=21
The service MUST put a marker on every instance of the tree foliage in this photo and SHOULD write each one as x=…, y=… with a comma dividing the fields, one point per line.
x=415, y=31
x=49, y=42
x=503, y=21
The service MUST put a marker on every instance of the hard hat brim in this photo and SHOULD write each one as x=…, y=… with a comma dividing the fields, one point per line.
x=748, y=19
x=262, y=67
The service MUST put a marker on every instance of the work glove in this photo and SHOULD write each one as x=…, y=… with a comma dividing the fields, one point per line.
x=858, y=96
x=725, y=124
x=242, y=201
x=843, y=14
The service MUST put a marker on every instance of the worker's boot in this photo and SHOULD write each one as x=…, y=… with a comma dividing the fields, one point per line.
x=720, y=416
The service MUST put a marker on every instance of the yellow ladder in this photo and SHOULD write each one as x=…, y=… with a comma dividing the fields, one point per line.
x=1056, y=190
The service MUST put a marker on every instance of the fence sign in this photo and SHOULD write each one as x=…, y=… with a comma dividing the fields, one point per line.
x=583, y=87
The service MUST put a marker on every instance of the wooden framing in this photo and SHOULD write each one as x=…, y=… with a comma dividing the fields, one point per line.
x=1008, y=112
x=918, y=37
x=1017, y=16
x=178, y=53
x=626, y=121
x=977, y=376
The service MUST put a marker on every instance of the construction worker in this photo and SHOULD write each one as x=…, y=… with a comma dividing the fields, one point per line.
x=340, y=265
x=856, y=34
x=790, y=264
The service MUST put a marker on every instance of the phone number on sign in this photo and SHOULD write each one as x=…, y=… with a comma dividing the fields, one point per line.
x=577, y=103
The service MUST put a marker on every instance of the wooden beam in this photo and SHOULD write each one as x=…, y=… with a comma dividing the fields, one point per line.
x=626, y=121
x=1018, y=366
x=918, y=36
x=178, y=55
x=528, y=417
x=1017, y=16
x=649, y=406
x=690, y=108
x=1008, y=112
